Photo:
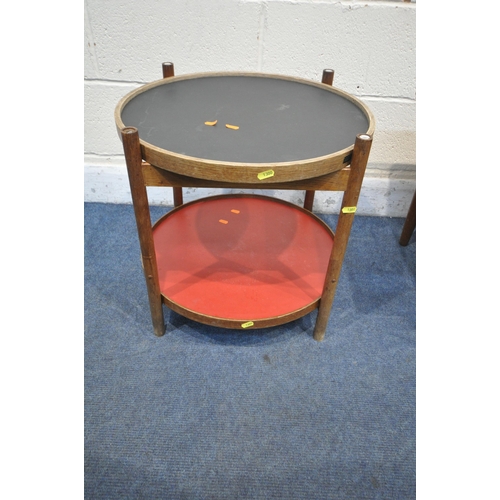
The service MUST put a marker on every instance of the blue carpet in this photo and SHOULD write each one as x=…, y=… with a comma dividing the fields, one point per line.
x=205, y=413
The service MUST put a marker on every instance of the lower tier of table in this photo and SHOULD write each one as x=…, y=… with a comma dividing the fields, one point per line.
x=242, y=261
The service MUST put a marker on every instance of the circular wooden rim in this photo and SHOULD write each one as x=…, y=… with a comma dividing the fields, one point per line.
x=243, y=172
x=234, y=323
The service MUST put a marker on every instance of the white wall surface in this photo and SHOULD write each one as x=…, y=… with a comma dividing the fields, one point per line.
x=369, y=44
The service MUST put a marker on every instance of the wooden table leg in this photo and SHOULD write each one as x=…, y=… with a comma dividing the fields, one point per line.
x=133, y=157
x=359, y=161
x=410, y=222
x=168, y=71
x=309, y=197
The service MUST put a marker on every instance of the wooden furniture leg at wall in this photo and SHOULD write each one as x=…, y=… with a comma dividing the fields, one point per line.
x=309, y=197
x=410, y=222
x=168, y=71
x=133, y=158
x=359, y=161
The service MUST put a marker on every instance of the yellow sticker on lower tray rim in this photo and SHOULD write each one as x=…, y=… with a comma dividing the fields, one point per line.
x=232, y=127
x=247, y=324
x=348, y=210
x=265, y=175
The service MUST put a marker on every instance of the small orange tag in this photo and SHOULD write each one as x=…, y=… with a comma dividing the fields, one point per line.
x=222, y=221
x=235, y=211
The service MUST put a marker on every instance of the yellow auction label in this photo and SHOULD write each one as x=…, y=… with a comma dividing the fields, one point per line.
x=211, y=124
x=247, y=324
x=232, y=127
x=265, y=175
x=348, y=210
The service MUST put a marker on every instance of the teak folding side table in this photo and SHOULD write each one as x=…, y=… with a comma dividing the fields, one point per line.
x=243, y=261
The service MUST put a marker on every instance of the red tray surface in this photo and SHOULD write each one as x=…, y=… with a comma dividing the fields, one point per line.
x=265, y=259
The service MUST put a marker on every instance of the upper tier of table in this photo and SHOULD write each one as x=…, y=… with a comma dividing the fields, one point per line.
x=297, y=128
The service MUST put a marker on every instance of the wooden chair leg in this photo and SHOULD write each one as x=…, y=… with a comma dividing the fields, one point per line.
x=359, y=161
x=168, y=71
x=309, y=197
x=133, y=157
x=309, y=200
x=410, y=222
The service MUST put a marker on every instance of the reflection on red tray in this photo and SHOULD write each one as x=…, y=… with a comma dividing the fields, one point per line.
x=242, y=257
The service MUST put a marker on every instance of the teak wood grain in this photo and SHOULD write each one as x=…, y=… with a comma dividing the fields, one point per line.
x=154, y=176
x=236, y=324
x=360, y=155
x=130, y=139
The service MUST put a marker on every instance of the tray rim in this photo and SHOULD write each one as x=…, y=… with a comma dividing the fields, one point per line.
x=232, y=323
x=203, y=168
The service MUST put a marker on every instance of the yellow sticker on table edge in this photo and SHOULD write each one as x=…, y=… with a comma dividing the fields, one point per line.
x=348, y=210
x=211, y=124
x=232, y=127
x=265, y=175
x=247, y=324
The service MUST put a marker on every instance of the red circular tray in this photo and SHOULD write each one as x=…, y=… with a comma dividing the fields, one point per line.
x=243, y=259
